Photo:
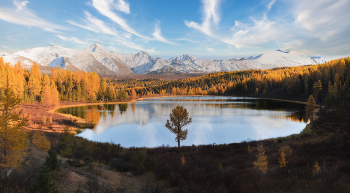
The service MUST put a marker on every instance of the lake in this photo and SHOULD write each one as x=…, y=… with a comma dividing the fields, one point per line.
x=214, y=120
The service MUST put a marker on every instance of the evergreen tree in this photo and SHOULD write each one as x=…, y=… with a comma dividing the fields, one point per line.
x=43, y=182
x=51, y=161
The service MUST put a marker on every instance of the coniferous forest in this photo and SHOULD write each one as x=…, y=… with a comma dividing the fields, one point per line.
x=316, y=160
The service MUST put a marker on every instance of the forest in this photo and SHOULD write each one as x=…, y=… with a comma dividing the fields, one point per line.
x=316, y=160
x=328, y=83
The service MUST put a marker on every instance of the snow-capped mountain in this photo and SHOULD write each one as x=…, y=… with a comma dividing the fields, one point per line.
x=278, y=58
x=142, y=63
x=98, y=59
x=93, y=59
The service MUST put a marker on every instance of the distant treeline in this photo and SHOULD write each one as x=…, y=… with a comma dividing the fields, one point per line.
x=329, y=83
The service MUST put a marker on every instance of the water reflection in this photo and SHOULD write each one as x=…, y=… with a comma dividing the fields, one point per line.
x=215, y=120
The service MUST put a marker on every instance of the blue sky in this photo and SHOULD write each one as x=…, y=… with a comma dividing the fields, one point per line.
x=207, y=29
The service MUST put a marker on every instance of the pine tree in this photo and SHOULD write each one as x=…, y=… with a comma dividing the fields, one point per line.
x=51, y=161
x=12, y=135
x=43, y=182
x=178, y=119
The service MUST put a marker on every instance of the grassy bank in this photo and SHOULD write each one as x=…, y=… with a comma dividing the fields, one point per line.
x=317, y=161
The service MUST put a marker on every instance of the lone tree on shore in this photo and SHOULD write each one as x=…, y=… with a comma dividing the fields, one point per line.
x=178, y=119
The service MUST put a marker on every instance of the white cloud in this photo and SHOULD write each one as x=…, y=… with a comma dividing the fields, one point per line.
x=158, y=36
x=261, y=32
x=23, y=16
x=122, y=6
x=93, y=24
x=211, y=16
x=127, y=43
x=73, y=40
x=210, y=49
x=324, y=19
x=106, y=7
x=7, y=49
x=253, y=34
x=269, y=6
x=128, y=35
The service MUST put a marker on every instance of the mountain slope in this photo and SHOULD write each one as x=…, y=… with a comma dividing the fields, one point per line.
x=98, y=59
x=93, y=59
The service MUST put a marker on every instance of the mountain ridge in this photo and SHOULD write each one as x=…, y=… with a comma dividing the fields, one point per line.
x=97, y=58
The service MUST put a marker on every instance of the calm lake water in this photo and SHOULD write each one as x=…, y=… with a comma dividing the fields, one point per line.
x=214, y=120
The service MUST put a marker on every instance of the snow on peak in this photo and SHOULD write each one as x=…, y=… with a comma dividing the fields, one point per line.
x=254, y=57
x=185, y=57
x=96, y=47
x=279, y=50
x=58, y=62
x=142, y=53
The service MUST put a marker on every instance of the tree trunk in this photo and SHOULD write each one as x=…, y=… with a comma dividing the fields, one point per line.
x=178, y=140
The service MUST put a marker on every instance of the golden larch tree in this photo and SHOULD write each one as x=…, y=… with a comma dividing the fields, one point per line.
x=282, y=160
x=36, y=70
x=54, y=94
x=13, y=138
x=46, y=96
x=261, y=163
x=133, y=94
x=34, y=84
x=178, y=119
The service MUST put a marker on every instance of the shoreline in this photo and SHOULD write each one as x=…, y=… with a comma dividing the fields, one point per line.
x=82, y=121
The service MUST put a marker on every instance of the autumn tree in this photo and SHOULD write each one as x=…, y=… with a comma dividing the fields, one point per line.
x=54, y=94
x=13, y=138
x=261, y=163
x=36, y=70
x=282, y=160
x=133, y=94
x=34, y=85
x=311, y=105
x=46, y=92
x=122, y=95
x=178, y=119
x=93, y=85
